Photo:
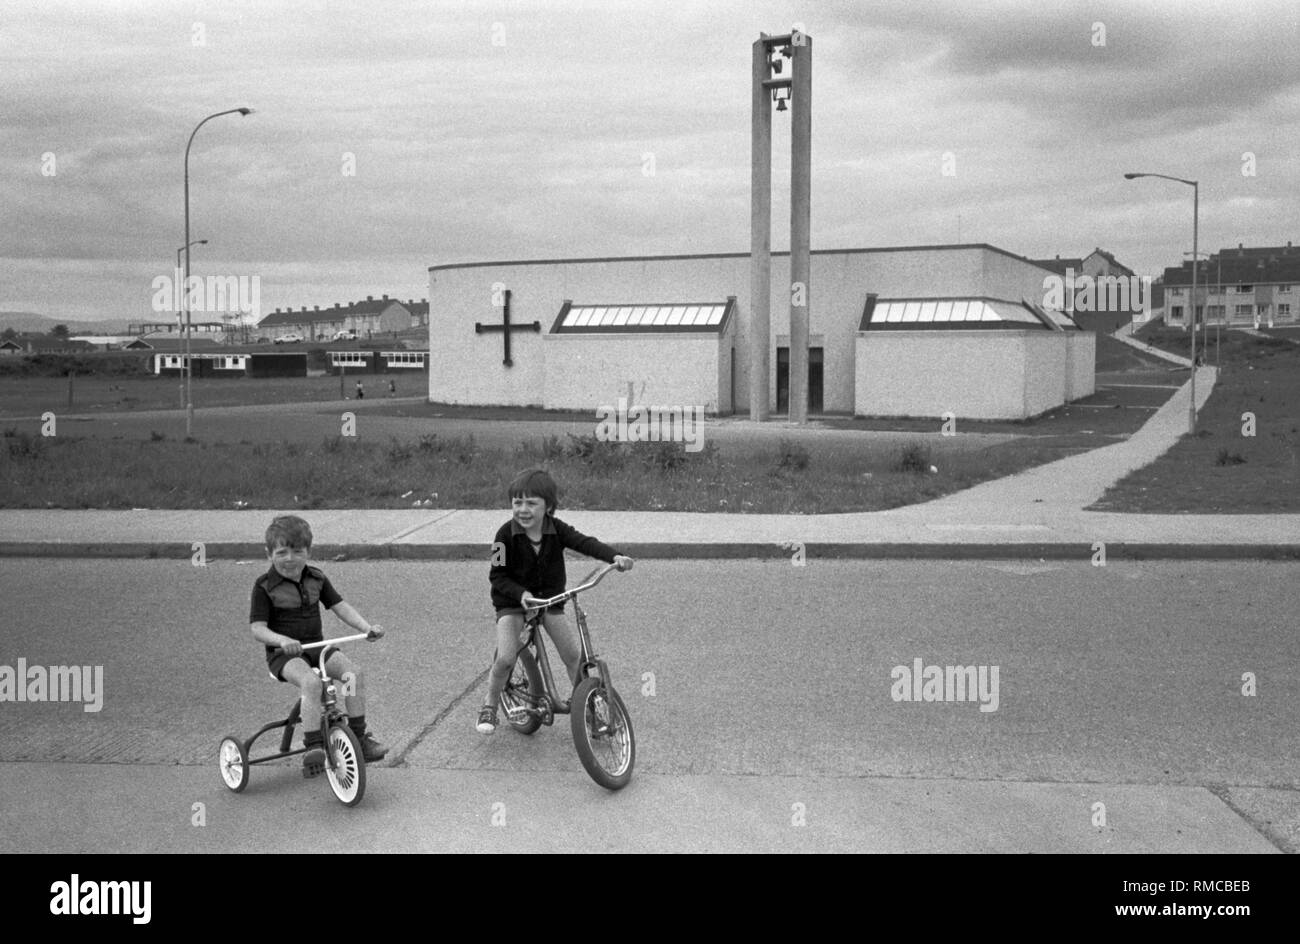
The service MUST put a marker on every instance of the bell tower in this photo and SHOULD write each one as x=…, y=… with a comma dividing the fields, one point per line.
x=771, y=53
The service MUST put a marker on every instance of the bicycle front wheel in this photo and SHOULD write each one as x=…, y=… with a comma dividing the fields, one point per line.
x=602, y=733
x=522, y=690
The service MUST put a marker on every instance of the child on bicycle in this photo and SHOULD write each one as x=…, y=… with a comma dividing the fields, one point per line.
x=285, y=613
x=528, y=566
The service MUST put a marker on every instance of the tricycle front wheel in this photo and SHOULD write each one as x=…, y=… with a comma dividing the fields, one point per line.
x=347, y=772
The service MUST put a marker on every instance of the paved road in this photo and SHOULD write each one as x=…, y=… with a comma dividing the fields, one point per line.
x=771, y=703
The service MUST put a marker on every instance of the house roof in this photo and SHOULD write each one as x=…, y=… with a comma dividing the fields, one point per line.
x=1098, y=251
x=48, y=342
x=371, y=306
x=175, y=345
x=1241, y=266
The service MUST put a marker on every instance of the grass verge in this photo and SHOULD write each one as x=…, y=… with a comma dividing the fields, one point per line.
x=458, y=472
x=1245, y=456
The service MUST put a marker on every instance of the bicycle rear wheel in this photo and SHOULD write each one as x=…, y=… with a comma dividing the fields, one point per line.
x=602, y=733
x=522, y=690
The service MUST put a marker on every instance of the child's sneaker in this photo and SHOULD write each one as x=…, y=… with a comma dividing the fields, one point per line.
x=487, y=719
x=371, y=749
x=313, y=763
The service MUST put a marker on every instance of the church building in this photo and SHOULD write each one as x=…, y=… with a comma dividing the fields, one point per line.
x=899, y=331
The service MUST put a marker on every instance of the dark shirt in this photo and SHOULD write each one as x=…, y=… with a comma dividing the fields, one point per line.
x=292, y=608
x=541, y=573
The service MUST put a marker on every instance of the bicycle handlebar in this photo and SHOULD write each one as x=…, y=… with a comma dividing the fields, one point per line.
x=599, y=573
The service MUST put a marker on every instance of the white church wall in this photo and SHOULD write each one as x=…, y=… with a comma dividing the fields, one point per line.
x=972, y=374
x=1081, y=364
x=1013, y=279
x=588, y=371
x=840, y=283
x=1044, y=370
x=471, y=369
x=467, y=367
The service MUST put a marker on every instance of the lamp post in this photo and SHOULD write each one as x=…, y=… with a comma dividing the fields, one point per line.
x=185, y=280
x=180, y=320
x=1218, y=325
x=1196, y=216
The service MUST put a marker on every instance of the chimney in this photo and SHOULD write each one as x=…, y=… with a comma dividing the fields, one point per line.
x=371, y=298
x=385, y=298
x=318, y=307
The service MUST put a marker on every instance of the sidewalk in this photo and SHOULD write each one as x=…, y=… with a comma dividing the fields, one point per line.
x=1035, y=514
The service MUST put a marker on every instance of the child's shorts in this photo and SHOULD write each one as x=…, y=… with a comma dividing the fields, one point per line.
x=276, y=662
x=557, y=609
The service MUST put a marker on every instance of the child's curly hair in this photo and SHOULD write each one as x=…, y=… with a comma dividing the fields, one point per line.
x=289, y=530
x=536, y=483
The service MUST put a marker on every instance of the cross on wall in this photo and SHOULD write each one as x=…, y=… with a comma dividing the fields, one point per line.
x=506, y=328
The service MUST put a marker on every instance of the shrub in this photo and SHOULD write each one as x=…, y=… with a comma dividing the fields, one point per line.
x=791, y=456
x=399, y=452
x=664, y=456
x=23, y=445
x=552, y=448
x=914, y=457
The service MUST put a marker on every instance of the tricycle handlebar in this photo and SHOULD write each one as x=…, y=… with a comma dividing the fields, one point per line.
x=329, y=642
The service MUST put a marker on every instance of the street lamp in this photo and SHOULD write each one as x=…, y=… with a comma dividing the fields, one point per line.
x=1218, y=325
x=180, y=321
x=185, y=281
x=1196, y=215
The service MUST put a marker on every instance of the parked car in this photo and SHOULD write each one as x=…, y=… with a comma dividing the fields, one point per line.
x=349, y=335
x=289, y=339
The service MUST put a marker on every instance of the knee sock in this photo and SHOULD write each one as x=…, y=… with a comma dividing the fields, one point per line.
x=358, y=725
x=312, y=738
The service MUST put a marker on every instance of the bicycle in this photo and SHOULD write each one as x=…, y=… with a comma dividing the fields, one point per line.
x=344, y=765
x=602, y=728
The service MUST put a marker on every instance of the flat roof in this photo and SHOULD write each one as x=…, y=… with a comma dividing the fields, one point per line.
x=727, y=255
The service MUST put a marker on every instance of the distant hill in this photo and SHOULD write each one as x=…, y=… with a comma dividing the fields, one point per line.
x=30, y=321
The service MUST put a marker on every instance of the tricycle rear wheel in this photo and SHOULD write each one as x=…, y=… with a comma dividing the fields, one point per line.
x=233, y=760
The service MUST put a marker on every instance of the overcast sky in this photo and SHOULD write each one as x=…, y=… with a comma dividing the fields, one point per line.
x=523, y=130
